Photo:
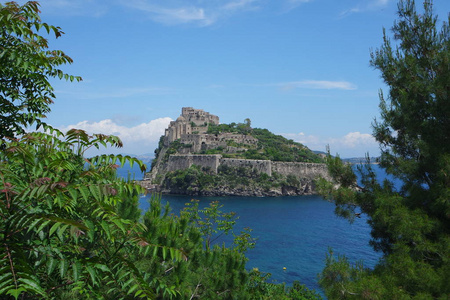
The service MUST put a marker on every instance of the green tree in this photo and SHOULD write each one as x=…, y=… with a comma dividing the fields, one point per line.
x=63, y=230
x=248, y=122
x=69, y=227
x=410, y=225
x=27, y=64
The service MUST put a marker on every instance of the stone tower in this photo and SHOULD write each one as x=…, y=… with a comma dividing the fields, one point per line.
x=191, y=120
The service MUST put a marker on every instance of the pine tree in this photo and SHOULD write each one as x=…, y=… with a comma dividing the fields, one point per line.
x=410, y=226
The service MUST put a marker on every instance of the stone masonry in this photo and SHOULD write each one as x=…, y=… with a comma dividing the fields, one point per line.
x=298, y=169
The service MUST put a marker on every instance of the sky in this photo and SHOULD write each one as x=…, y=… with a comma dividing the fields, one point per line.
x=300, y=68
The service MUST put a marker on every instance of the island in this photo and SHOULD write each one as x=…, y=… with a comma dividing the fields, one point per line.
x=198, y=156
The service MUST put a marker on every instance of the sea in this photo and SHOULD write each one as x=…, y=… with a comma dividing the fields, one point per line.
x=294, y=234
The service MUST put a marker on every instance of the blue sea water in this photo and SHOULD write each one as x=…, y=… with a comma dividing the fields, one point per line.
x=292, y=232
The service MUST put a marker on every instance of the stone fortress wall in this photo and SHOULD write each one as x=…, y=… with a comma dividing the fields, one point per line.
x=184, y=161
x=262, y=166
x=298, y=169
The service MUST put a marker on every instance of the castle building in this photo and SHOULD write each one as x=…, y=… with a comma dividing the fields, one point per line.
x=191, y=128
x=190, y=121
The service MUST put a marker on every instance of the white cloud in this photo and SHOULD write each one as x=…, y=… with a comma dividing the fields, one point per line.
x=139, y=139
x=172, y=16
x=318, y=84
x=199, y=12
x=365, y=6
x=239, y=4
x=356, y=139
x=353, y=144
x=292, y=4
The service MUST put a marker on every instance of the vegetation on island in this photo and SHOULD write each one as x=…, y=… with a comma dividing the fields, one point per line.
x=197, y=180
x=270, y=146
x=410, y=225
x=71, y=229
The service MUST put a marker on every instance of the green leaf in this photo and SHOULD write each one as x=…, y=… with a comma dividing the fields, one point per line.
x=106, y=228
x=76, y=267
x=33, y=285
x=43, y=225
x=51, y=264
x=92, y=273
x=128, y=282
x=133, y=288
x=54, y=228
x=16, y=292
x=84, y=192
x=120, y=224
x=96, y=192
x=104, y=268
x=164, y=252
x=63, y=265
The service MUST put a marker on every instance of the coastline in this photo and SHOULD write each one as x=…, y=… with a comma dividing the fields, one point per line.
x=240, y=191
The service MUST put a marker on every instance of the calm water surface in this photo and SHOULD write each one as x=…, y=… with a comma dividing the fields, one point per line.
x=292, y=232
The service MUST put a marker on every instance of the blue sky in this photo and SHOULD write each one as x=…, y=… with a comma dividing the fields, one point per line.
x=299, y=68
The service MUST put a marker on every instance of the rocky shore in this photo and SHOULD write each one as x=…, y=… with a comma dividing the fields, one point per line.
x=307, y=189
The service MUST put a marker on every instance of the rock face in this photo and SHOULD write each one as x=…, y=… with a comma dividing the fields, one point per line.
x=189, y=134
x=243, y=192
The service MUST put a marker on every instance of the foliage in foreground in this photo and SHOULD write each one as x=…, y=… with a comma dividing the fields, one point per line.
x=26, y=66
x=60, y=228
x=71, y=229
x=410, y=225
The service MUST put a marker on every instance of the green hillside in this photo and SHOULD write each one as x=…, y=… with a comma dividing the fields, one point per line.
x=269, y=147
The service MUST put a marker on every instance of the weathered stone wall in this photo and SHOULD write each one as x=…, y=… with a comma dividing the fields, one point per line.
x=239, y=138
x=303, y=170
x=262, y=166
x=298, y=169
x=179, y=162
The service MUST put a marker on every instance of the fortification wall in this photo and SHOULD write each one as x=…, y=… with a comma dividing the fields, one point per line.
x=298, y=169
x=303, y=170
x=262, y=166
x=179, y=162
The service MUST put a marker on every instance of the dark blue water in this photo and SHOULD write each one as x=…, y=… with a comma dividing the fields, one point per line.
x=292, y=232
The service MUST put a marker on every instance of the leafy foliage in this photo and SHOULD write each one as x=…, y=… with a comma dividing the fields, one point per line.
x=410, y=225
x=27, y=66
x=70, y=228
x=61, y=227
x=261, y=288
